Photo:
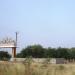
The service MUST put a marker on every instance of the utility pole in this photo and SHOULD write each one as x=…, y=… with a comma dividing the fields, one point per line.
x=16, y=38
x=14, y=48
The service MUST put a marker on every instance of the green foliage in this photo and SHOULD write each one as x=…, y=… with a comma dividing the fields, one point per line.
x=4, y=55
x=62, y=53
x=51, y=52
x=37, y=51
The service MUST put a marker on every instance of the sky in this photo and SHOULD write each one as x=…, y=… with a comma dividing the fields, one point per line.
x=50, y=23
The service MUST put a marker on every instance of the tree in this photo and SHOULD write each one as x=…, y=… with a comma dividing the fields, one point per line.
x=4, y=55
x=36, y=51
x=62, y=53
x=51, y=52
x=72, y=53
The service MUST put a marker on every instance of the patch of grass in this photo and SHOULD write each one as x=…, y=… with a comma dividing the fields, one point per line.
x=30, y=68
x=61, y=67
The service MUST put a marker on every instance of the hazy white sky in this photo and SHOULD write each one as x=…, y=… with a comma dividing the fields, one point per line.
x=46, y=22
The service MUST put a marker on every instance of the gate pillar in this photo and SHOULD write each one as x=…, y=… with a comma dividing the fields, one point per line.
x=13, y=52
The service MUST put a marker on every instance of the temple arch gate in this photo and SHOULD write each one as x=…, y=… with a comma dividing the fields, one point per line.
x=9, y=43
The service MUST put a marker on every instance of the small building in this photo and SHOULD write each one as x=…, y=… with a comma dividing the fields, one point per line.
x=57, y=61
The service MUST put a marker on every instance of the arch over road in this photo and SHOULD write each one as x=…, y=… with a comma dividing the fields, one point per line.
x=9, y=43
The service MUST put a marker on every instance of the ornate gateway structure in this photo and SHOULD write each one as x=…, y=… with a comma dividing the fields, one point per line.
x=9, y=43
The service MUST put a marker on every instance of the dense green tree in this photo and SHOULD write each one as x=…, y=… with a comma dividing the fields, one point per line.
x=51, y=52
x=36, y=51
x=62, y=53
x=4, y=55
x=72, y=53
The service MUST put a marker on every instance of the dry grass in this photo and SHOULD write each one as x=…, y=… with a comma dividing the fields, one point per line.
x=36, y=69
